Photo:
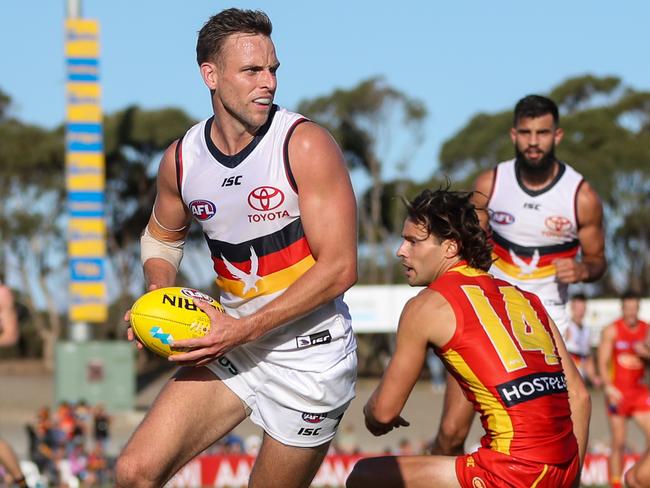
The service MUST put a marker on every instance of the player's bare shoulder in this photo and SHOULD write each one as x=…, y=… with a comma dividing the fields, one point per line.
x=167, y=166
x=484, y=183
x=310, y=142
x=429, y=314
x=588, y=204
x=482, y=191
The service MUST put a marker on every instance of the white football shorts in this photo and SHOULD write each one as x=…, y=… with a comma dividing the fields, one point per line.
x=297, y=408
x=560, y=316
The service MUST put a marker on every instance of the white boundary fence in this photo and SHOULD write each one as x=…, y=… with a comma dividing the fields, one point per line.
x=376, y=308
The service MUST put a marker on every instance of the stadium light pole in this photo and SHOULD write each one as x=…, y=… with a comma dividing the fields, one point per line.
x=74, y=9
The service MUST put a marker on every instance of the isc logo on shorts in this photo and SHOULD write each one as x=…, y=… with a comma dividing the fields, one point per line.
x=309, y=431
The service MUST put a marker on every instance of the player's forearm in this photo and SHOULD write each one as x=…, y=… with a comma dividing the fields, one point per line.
x=320, y=284
x=603, y=361
x=159, y=273
x=594, y=268
x=580, y=404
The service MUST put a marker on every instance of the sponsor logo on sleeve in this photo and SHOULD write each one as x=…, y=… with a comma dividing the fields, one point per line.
x=530, y=387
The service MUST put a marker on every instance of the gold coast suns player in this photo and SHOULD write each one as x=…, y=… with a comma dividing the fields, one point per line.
x=500, y=346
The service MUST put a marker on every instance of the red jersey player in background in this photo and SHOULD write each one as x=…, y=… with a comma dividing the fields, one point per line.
x=621, y=356
x=498, y=343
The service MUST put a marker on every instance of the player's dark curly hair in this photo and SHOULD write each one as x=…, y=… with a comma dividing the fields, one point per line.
x=451, y=215
x=230, y=21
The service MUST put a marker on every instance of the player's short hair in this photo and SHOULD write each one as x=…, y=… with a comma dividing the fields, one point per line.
x=451, y=215
x=227, y=22
x=533, y=106
x=579, y=297
x=630, y=295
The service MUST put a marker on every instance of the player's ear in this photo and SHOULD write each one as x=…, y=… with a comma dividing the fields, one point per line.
x=559, y=134
x=450, y=248
x=513, y=134
x=209, y=74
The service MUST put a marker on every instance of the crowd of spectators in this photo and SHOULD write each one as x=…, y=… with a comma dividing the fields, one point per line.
x=71, y=438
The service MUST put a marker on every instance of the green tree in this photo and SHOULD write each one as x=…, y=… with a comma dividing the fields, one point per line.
x=376, y=125
x=32, y=206
x=134, y=140
x=607, y=139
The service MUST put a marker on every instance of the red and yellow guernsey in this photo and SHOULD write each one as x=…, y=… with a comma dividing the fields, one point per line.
x=247, y=206
x=505, y=359
x=627, y=369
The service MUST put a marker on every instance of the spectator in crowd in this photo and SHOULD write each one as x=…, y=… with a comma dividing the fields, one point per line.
x=102, y=424
x=97, y=466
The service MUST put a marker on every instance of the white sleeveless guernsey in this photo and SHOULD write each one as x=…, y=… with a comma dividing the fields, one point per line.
x=578, y=340
x=530, y=229
x=247, y=206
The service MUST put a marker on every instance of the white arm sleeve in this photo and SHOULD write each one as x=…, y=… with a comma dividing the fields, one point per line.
x=150, y=247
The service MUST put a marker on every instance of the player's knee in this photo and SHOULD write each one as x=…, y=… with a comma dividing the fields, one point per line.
x=360, y=475
x=632, y=481
x=132, y=473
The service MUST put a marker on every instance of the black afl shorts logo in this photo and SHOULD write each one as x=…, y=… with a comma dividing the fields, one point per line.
x=314, y=418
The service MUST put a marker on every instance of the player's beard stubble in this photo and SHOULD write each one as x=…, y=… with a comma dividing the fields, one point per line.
x=540, y=167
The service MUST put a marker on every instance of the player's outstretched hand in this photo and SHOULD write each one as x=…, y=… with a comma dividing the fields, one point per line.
x=377, y=428
x=226, y=332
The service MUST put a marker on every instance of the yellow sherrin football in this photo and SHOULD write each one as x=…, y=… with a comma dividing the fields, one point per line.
x=169, y=314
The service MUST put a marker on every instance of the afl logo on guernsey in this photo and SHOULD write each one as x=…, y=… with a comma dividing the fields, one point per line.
x=265, y=198
x=503, y=218
x=202, y=209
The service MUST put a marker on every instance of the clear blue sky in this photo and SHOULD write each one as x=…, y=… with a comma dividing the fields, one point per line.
x=459, y=57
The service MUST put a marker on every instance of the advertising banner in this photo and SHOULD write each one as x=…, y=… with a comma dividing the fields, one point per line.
x=85, y=174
